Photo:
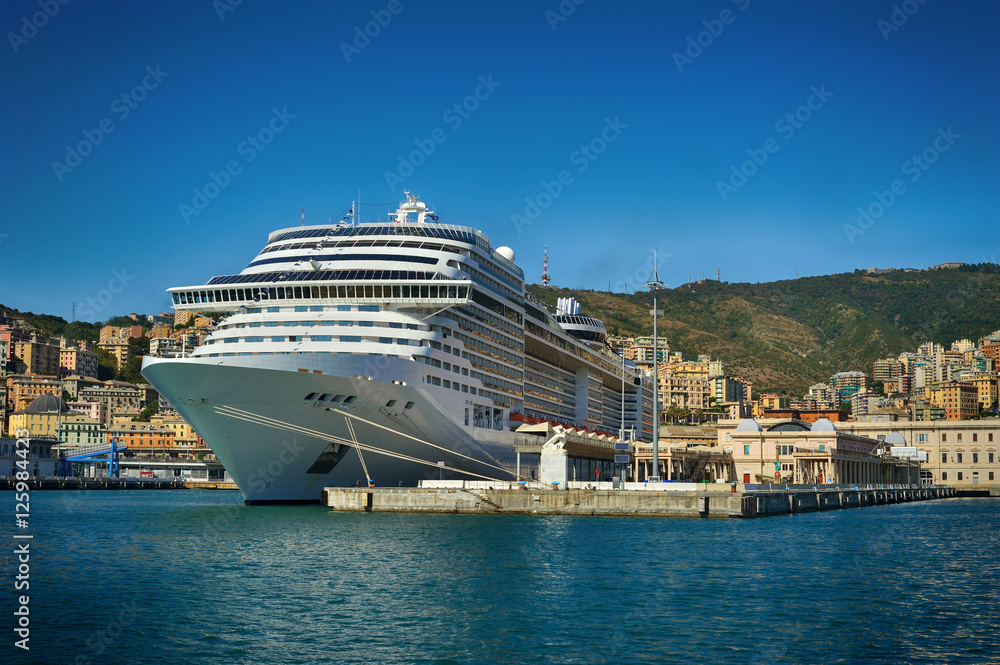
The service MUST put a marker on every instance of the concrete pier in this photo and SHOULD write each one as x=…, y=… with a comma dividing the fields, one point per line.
x=710, y=502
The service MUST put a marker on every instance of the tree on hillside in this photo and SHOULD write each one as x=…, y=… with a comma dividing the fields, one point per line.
x=148, y=412
x=82, y=330
x=107, y=365
x=137, y=347
x=131, y=371
x=121, y=322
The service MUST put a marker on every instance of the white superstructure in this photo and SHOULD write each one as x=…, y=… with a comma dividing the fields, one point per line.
x=408, y=349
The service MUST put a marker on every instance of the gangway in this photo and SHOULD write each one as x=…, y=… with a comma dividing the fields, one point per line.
x=104, y=452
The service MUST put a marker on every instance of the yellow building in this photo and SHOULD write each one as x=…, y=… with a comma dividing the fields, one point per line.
x=40, y=418
x=960, y=453
x=770, y=403
x=185, y=438
x=987, y=389
x=160, y=331
x=181, y=317
x=120, y=350
x=120, y=334
x=22, y=390
x=35, y=357
x=960, y=400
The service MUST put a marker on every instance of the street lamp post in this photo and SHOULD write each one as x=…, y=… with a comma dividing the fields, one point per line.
x=653, y=284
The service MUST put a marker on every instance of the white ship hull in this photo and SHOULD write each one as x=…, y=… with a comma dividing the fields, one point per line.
x=281, y=447
x=410, y=348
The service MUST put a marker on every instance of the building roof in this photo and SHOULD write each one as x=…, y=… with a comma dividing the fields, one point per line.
x=895, y=439
x=790, y=426
x=87, y=379
x=824, y=425
x=749, y=425
x=849, y=375
x=46, y=404
x=891, y=410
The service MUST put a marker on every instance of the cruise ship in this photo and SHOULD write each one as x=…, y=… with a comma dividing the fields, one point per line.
x=392, y=351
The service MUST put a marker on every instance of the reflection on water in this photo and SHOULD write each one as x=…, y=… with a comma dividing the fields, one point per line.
x=143, y=577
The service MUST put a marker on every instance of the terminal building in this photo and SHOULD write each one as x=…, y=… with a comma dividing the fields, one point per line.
x=960, y=453
x=797, y=452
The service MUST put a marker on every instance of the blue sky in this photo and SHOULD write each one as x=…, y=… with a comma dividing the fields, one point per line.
x=606, y=130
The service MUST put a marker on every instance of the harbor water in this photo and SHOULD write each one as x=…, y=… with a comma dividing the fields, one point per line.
x=196, y=577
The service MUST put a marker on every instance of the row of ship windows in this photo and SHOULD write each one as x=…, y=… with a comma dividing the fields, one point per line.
x=441, y=231
x=448, y=367
x=318, y=338
x=343, y=323
x=454, y=385
x=365, y=243
x=315, y=308
x=401, y=258
x=395, y=291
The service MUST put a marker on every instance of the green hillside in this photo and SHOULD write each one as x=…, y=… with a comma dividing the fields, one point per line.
x=787, y=335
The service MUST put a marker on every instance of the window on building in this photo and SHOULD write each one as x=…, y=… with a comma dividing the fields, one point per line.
x=959, y=456
x=975, y=437
x=944, y=437
x=960, y=437
x=990, y=457
x=989, y=437
x=343, y=308
x=944, y=458
x=991, y=475
x=959, y=475
x=746, y=450
x=975, y=458
x=944, y=475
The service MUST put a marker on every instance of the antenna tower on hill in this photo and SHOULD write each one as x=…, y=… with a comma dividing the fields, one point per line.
x=545, y=268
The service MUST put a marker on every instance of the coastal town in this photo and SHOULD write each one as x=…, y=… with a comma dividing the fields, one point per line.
x=928, y=415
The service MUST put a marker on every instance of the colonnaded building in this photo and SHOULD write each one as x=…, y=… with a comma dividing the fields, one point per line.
x=956, y=453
